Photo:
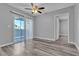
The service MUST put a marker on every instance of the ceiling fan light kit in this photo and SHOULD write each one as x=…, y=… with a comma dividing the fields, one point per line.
x=35, y=8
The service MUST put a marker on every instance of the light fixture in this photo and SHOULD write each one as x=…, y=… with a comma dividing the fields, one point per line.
x=34, y=9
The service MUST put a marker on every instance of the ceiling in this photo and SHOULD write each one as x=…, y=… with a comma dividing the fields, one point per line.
x=48, y=7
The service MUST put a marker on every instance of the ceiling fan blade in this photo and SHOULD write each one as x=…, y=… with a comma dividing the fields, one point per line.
x=28, y=8
x=32, y=12
x=41, y=8
x=32, y=4
x=39, y=11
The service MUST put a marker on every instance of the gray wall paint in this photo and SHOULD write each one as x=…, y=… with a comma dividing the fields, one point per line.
x=44, y=24
x=6, y=22
x=63, y=26
x=76, y=24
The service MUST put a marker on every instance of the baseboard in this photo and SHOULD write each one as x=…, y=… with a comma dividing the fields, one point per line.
x=45, y=38
x=55, y=40
x=75, y=45
x=6, y=44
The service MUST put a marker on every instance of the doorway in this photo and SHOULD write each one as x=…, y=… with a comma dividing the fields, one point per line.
x=62, y=28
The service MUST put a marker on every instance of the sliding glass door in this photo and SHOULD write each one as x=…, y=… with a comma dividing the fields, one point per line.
x=23, y=29
x=19, y=29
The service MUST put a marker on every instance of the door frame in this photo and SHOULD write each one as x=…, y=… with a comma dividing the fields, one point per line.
x=14, y=18
x=56, y=18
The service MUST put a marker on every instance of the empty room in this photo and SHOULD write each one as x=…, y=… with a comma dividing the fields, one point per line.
x=39, y=29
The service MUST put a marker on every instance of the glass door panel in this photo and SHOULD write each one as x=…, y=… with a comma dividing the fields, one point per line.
x=19, y=29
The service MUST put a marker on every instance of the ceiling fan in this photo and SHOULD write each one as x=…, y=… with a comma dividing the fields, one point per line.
x=35, y=8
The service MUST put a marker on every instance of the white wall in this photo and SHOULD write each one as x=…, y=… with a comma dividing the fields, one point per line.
x=44, y=24
x=6, y=23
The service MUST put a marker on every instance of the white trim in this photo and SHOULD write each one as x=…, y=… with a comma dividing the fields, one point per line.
x=6, y=44
x=45, y=38
x=74, y=44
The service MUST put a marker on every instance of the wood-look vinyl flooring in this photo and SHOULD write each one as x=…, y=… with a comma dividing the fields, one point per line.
x=37, y=47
